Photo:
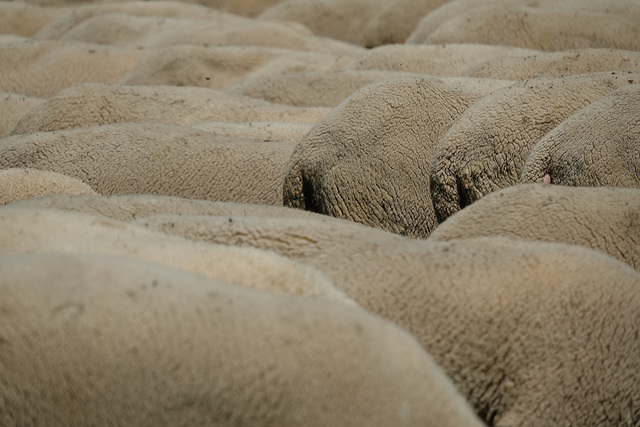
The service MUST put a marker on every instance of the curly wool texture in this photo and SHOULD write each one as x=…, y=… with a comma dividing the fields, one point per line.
x=486, y=148
x=563, y=63
x=153, y=158
x=368, y=159
x=27, y=231
x=602, y=218
x=96, y=340
x=13, y=107
x=598, y=146
x=128, y=207
x=42, y=68
x=21, y=184
x=259, y=131
x=438, y=60
x=222, y=66
x=94, y=104
x=544, y=29
x=532, y=333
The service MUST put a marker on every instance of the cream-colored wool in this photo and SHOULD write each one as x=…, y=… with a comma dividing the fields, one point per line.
x=250, y=8
x=313, y=89
x=12, y=107
x=544, y=29
x=185, y=106
x=153, y=158
x=439, y=60
x=337, y=19
x=597, y=146
x=532, y=333
x=602, y=218
x=455, y=8
x=27, y=231
x=21, y=184
x=135, y=206
x=222, y=66
x=260, y=131
x=94, y=340
x=167, y=9
x=42, y=68
x=25, y=19
x=563, y=63
x=486, y=148
x=368, y=159
x=152, y=32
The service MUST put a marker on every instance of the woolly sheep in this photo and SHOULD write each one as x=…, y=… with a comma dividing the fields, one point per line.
x=94, y=340
x=25, y=19
x=71, y=17
x=260, y=131
x=20, y=184
x=128, y=207
x=368, y=159
x=153, y=158
x=486, y=148
x=185, y=106
x=597, y=146
x=222, y=66
x=312, y=89
x=563, y=63
x=40, y=69
x=541, y=29
x=153, y=32
x=441, y=60
x=12, y=107
x=27, y=231
x=532, y=333
x=601, y=218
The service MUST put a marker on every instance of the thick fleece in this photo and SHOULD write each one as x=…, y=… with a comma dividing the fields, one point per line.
x=134, y=206
x=23, y=19
x=563, y=63
x=486, y=148
x=368, y=159
x=27, y=231
x=222, y=66
x=154, y=158
x=12, y=107
x=312, y=89
x=539, y=28
x=438, y=60
x=95, y=340
x=21, y=184
x=597, y=146
x=95, y=104
x=532, y=333
x=42, y=68
x=602, y=218
x=152, y=32
x=260, y=131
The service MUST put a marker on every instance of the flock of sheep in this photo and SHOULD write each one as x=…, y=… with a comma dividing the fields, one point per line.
x=320, y=213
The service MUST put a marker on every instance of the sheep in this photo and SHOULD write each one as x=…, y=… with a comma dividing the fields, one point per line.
x=185, y=106
x=25, y=19
x=98, y=340
x=312, y=89
x=532, y=333
x=563, y=63
x=154, y=158
x=544, y=29
x=30, y=230
x=486, y=148
x=12, y=107
x=222, y=66
x=21, y=184
x=128, y=207
x=260, y=131
x=597, y=146
x=153, y=32
x=602, y=218
x=368, y=159
x=440, y=60
x=42, y=68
